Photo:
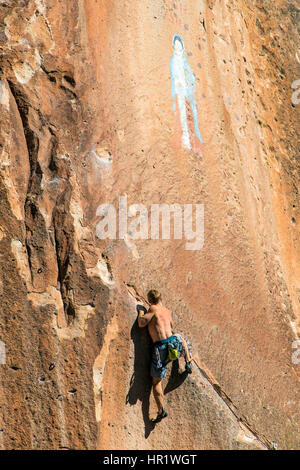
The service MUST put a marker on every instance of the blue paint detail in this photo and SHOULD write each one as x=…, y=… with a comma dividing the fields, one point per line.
x=183, y=92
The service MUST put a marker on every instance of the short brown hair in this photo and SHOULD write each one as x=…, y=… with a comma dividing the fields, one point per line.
x=154, y=296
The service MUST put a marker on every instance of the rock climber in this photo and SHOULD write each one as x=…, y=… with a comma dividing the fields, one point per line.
x=160, y=325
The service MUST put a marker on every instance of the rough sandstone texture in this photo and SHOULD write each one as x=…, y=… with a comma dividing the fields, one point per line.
x=86, y=116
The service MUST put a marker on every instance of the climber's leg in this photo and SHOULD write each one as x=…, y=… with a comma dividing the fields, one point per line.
x=187, y=357
x=158, y=393
x=186, y=350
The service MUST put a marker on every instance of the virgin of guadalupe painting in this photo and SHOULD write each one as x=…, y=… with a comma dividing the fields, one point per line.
x=184, y=96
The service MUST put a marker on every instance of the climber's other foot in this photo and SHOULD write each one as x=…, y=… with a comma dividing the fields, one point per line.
x=188, y=367
x=160, y=416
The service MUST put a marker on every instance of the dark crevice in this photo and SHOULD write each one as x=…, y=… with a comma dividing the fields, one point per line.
x=70, y=313
x=63, y=250
x=31, y=138
x=35, y=177
x=70, y=80
x=60, y=274
x=51, y=74
x=68, y=92
x=28, y=251
x=53, y=152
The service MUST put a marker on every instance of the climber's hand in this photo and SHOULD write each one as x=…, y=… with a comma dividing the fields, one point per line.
x=144, y=318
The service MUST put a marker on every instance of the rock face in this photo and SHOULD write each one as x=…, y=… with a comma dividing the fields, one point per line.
x=86, y=117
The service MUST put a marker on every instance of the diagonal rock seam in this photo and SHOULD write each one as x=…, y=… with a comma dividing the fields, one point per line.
x=228, y=402
x=134, y=293
x=205, y=372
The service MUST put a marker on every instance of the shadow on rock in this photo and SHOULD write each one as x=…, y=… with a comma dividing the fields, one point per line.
x=140, y=383
x=176, y=378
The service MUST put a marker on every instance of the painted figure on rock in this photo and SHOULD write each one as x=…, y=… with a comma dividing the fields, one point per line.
x=184, y=96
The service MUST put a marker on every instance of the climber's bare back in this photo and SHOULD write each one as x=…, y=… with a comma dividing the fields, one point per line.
x=160, y=325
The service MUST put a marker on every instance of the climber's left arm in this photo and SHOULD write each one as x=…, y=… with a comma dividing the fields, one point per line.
x=145, y=318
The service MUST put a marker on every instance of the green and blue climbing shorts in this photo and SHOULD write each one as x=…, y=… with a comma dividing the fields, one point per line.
x=160, y=354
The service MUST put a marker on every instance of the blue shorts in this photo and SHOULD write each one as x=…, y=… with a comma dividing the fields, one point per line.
x=160, y=355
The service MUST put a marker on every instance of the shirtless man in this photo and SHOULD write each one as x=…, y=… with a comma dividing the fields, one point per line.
x=160, y=324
